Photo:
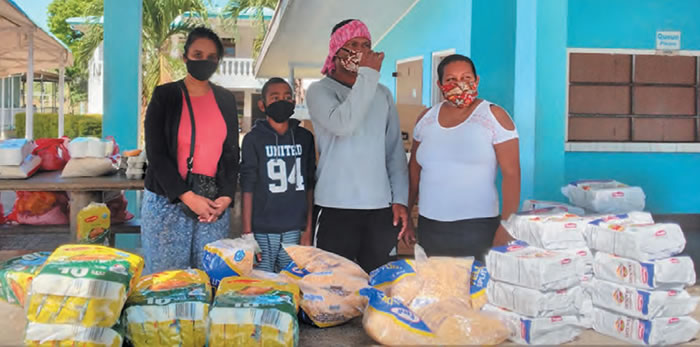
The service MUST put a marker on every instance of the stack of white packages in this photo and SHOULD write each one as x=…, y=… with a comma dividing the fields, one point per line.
x=136, y=166
x=90, y=157
x=539, y=292
x=638, y=286
x=605, y=196
x=530, y=205
x=16, y=159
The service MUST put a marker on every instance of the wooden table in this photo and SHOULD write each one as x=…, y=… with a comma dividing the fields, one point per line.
x=82, y=190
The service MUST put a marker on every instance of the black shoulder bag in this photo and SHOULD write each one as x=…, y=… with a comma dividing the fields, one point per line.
x=199, y=184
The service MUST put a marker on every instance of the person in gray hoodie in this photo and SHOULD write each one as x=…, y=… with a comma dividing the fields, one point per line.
x=362, y=176
x=277, y=178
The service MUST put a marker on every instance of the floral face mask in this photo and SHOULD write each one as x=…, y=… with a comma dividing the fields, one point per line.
x=460, y=94
x=352, y=61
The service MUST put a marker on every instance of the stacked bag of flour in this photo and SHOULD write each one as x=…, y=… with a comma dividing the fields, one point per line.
x=638, y=287
x=16, y=159
x=91, y=157
x=538, y=283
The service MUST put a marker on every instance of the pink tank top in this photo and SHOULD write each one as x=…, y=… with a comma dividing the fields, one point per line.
x=211, y=134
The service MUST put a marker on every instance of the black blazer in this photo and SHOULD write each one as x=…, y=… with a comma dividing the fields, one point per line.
x=161, y=126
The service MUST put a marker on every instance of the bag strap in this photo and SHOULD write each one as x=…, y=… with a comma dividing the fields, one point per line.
x=190, y=159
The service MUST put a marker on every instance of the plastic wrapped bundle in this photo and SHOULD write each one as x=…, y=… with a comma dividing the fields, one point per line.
x=331, y=298
x=225, y=258
x=26, y=169
x=669, y=273
x=84, y=285
x=313, y=259
x=534, y=303
x=605, y=196
x=539, y=269
x=52, y=335
x=529, y=205
x=642, y=304
x=16, y=275
x=547, y=228
x=388, y=321
x=169, y=308
x=540, y=331
x=13, y=151
x=641, y=242
x=251, y=312
x=658, y=331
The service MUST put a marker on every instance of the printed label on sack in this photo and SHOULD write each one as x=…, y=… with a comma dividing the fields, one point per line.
x=294, y=271
x=480, y=279
x=401, y=314
x=525, y=325
x=391, y=273
x=512, y=247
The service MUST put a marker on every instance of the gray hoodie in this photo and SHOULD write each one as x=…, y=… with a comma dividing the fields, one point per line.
x=362, y=163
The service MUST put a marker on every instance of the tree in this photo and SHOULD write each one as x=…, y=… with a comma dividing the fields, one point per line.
x=234, y=9
x=59, y=11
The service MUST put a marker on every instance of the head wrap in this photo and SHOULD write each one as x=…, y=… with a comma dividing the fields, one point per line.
x=344, y=34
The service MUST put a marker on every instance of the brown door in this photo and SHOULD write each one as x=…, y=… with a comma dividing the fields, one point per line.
x=409, y=82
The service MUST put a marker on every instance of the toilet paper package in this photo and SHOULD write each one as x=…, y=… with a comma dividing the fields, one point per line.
x=668, y=273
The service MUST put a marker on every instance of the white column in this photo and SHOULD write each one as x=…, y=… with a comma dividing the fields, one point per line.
x=2, y=109
x=29, y=98
x=61, y=82
x=248, y=105
x=12, y=101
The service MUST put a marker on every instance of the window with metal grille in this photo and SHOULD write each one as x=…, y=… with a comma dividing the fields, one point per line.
x=633, y=98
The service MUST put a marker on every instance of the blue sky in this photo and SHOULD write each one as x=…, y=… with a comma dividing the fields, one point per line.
x=36, y=9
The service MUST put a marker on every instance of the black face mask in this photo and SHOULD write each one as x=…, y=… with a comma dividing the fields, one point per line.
x=201, y=69
x=280, y=111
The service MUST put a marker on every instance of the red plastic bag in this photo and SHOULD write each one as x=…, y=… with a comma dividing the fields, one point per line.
x=2, y=215
x=117, y=208
x=53, y=153
x=40, y=208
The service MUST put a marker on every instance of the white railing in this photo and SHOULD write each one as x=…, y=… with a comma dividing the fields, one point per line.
x=236, y=67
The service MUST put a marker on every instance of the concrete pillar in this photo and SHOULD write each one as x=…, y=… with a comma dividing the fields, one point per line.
x=550, y=101
x=247, y=110
x=525, y=87
x=122, y=71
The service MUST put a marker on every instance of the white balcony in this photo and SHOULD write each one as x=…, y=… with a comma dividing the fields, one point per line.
x=237, y=73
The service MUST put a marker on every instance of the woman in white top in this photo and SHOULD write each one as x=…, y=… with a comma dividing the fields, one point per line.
x=458, y=146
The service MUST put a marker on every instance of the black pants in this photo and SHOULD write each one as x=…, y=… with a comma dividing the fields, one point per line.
x=462, y=238
x=364, y=236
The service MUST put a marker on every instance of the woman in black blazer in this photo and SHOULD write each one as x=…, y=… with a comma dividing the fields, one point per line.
x=170, y=238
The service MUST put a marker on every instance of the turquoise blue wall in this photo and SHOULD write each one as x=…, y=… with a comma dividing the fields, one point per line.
x=670, y=180
x=122, y=67
x=431, y=26
x=493, y=49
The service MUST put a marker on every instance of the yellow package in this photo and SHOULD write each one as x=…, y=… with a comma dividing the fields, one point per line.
x=85, y=285
x=61, y=335
x=93, y=223
x=313, y=259
x=226, y=257
x=169, y=309
x=16, y=275
x=331, y=298
x=252, y=312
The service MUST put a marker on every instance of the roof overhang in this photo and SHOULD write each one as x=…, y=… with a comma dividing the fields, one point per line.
x=297, y=39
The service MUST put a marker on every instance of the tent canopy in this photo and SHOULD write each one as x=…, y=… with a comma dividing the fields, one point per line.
x=15, y=27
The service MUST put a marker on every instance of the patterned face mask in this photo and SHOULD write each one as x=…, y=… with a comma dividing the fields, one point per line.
x=460, y=94
x=352, y=61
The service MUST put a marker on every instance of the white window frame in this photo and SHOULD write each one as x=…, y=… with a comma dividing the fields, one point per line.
x=639, y=147
x=435, y=94
x=396, y=79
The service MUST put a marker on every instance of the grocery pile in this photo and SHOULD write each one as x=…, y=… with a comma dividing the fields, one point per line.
x=78, y=295
x=638, y=289
x=429, y=301
x=91, y=157
x=226, y=257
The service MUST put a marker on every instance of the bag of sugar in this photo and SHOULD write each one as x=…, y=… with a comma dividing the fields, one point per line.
x=548, y=228
x=540, y=331
x=605, y=196
x=534, y=303
x=669, y=273
x=641, y=242
x=658, y=331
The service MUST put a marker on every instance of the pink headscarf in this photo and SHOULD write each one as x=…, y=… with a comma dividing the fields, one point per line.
x=344, y=34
